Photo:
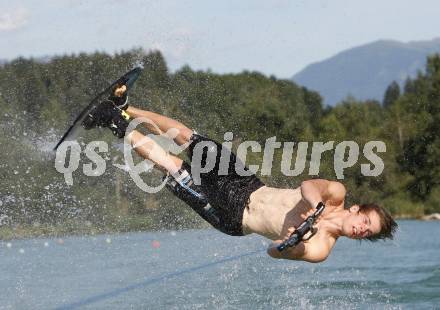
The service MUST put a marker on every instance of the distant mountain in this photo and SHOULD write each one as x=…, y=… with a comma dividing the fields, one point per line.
x=365, y=71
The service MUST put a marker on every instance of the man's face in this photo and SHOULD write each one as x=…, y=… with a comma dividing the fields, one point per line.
x=360, y=225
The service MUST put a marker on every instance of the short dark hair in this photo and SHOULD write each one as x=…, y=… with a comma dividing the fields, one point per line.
x=387, y=224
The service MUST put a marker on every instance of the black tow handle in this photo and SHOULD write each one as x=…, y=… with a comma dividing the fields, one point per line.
x=307, y=226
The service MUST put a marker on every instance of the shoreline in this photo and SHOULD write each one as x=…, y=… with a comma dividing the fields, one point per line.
x=425, y=217
x=75, y=228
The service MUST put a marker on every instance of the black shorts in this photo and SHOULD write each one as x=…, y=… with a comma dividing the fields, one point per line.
x=228, y=194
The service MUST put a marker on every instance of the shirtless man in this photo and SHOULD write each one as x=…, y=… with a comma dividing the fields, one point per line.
x=238, y=204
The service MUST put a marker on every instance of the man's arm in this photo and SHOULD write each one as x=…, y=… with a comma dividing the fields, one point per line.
x=313, y=251
x=306, y=251
x=316, y=190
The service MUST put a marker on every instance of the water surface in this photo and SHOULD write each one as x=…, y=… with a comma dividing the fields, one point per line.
x=178, y=270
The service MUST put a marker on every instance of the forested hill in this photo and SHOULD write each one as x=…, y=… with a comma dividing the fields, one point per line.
x=365, y=71
x=38, y=101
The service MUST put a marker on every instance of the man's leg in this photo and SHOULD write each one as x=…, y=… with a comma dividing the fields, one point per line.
x=149, y=149
x=163, y=123
x=108, y=114
x=226, y=213
x=180, y=183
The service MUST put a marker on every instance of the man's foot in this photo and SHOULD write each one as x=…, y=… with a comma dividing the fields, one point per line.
x=119, y=96
x=107, y=114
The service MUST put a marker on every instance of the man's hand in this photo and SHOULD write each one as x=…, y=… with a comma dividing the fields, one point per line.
x=290, y=231
x=273, y=251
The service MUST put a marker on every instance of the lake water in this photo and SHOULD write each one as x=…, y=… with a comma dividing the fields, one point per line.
x=198, y=269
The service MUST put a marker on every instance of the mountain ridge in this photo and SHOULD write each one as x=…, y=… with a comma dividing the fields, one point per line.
x=365, y=71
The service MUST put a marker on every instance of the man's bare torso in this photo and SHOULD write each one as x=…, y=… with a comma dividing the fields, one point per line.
x=272, y=211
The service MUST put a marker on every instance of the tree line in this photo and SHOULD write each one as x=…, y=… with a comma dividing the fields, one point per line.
x=38, y=101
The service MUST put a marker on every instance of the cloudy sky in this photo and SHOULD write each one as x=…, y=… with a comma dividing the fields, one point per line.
x=277, y=37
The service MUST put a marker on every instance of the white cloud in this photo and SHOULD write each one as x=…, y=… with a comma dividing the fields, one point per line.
x=14, y=19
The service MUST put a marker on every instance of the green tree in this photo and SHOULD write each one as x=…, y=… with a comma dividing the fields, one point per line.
x=392, y=93
x=421, y=155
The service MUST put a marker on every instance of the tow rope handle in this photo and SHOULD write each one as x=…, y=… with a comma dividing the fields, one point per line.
x=307, y=226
